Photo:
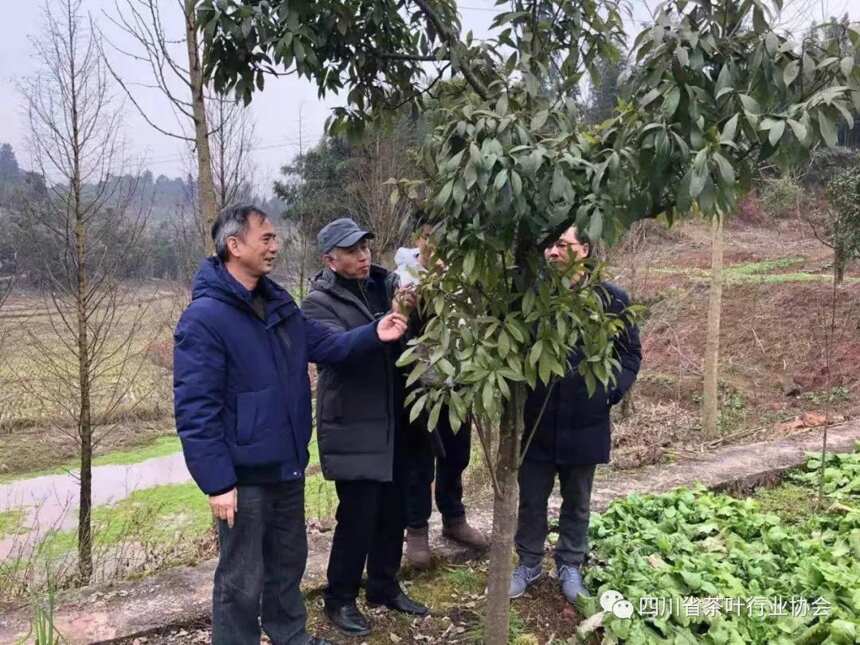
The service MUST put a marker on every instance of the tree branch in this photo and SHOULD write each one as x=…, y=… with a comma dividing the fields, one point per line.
x=452, y=41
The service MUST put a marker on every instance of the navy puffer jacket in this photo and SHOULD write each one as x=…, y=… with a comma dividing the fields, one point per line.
x=242, y=397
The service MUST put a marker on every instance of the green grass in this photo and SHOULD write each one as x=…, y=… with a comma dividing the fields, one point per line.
x=463, y=578
x=158, y=515
x=11, y=522
x=763, y=266
x=160, y=447
x=320, y=498
x=792, y=502
x=757, y=273
x=165, y=514
x=314, y=450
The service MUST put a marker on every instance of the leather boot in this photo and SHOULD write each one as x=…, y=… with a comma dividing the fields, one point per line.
x=458, y=529
x=418, y=547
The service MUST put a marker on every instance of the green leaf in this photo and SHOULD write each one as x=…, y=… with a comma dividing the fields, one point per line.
x=700, y=173
x=649, y=98
x=595, y=225
x=771, y=41
x=417, y=408
x=454, y=418
x=776, y=132
x=726, y=170
x=846, y=65
x=750, y=104
x=504, y=344
x=416, y=373
x=790, y=73
x=827, y=129
x=729, y=129
x=445, y=193
x=516, y=183
x=469, y=263
x=536, y=352
x=488, y=395
x=670, y=103
x=724, y=80
x=539, y=119
x=799, y=129
x=501, y=179
x=528, y=302
x=502, y=105
x=433, y=419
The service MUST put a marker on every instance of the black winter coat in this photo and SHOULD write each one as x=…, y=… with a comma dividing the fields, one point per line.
x=575, y=428
x=358, y=401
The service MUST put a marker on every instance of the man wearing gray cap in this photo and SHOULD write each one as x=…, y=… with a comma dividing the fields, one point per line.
x=359, y=406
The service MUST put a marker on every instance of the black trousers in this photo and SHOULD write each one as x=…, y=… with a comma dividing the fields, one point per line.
x=370, y=523
x=445, y=462
x=536, y=480
x=261, y=561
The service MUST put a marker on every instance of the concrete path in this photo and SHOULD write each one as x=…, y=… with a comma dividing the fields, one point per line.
x=182, y=595
x=51, y=501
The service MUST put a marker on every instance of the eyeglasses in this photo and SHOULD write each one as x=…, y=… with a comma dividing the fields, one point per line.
x=563, y=245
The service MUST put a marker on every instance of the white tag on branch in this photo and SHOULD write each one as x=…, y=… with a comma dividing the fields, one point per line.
x=409, y=267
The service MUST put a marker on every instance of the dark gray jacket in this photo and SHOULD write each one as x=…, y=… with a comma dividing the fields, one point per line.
x=358, y=401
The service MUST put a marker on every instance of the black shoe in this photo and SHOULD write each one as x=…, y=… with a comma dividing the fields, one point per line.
x=402, y=603
x=314, y=640
x=348, y=619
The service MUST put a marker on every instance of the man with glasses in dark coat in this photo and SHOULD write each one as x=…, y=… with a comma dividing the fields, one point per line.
x=572, y=437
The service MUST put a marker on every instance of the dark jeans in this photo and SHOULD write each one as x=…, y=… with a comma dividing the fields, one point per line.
x=446, y=463
x=260, y=565
x=370, y=523
x=536, y=480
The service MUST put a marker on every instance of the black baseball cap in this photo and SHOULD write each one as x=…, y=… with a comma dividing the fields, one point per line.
x=342, y=232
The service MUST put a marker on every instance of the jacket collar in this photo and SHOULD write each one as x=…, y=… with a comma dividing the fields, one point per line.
x=327, y=281
x=213, y=280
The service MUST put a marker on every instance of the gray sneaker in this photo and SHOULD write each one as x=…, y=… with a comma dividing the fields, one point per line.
x=522, y=578
x=571, y=582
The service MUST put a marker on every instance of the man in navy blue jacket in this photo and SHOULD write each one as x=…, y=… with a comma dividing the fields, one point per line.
x=243, y=412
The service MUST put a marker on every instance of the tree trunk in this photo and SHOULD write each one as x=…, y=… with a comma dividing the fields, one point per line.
x=85, y=428
x=628, y=407
x=838, y=263
x=205, y=182
x=85, y=534
x=710, y=394
x=504, y=518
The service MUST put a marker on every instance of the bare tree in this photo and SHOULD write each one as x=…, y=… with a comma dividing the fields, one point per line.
x=233, y=174
x=231, y=142
x=85, y=364
x=141, y=23
x=383, y=155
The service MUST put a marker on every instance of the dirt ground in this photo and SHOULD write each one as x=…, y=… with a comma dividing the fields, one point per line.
x=454, y=593
x=779, y=317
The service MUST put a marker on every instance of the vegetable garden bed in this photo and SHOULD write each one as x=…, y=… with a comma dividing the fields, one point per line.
x=693, y=566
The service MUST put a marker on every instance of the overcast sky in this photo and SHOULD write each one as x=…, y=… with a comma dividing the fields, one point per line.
x=276, y=111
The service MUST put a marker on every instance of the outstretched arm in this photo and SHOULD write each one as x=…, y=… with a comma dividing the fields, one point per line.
x=330, y=342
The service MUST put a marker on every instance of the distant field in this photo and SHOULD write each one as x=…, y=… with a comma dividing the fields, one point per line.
x=38, y=370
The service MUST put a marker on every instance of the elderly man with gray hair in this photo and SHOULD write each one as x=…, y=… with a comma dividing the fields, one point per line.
x=243, y=413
